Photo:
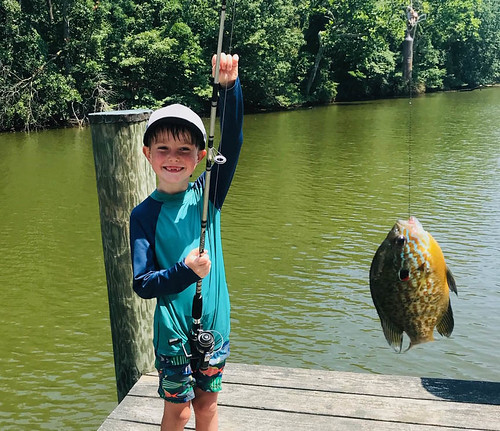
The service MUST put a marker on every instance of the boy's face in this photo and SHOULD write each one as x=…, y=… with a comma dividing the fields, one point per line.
x=173, y=160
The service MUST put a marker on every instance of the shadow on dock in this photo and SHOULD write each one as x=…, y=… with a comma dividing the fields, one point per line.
x=463, y=391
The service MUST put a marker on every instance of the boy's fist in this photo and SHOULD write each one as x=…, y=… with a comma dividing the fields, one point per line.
x=200, y=264
x=228, y=68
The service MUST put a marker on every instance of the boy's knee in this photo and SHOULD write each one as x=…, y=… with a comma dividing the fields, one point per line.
x=208, y=408
x=176, y=415
x=205, y=406
x=185, y=415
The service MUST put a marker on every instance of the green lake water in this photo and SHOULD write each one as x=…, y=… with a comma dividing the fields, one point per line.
x=315, y=193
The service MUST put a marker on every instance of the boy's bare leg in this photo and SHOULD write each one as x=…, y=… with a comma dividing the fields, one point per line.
x=205, y=410
x=175, y=416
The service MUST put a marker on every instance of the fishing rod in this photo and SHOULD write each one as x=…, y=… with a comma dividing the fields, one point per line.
x=202, y=342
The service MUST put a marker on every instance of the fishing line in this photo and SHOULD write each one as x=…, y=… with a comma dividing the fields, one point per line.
x=213, y=331
x=410, y=141
x=412, y=19
x=408, y=72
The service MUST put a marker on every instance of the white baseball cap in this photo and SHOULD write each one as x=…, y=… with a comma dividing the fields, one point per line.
x=176, y=114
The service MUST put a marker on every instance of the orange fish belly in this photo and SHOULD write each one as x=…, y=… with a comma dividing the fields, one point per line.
x=426, y=294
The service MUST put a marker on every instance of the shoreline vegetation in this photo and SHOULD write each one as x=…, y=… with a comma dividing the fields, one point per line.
x=63, y=59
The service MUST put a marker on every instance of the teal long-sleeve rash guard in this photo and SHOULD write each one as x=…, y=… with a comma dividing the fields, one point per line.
x=164, y=228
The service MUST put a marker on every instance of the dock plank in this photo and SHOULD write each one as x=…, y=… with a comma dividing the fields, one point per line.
x=135, y=415
x=273, y=398
x=477, y=392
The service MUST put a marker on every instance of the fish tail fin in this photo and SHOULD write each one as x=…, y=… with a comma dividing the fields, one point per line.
x=445, y=326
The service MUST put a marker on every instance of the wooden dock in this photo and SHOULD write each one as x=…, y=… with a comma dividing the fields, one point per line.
x=256, y=397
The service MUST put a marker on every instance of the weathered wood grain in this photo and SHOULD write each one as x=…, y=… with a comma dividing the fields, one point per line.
x=273, y=398
x=124, y=178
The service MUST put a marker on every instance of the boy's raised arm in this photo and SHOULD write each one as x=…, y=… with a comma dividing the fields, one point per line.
x=230, y=106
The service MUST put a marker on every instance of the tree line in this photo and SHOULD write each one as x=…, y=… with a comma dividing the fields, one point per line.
x=63, y=59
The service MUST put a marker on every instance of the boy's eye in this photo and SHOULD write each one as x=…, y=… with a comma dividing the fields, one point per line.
x=185, y=149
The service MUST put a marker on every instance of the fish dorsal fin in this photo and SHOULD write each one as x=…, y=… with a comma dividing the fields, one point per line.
x=393, y=335
x=451, y=281
x=445, y=326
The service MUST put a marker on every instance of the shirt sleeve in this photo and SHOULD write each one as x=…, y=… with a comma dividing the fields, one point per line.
x=231, y=118
x=149, y=281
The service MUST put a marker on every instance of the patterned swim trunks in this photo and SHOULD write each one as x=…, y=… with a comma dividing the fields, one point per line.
x=177, y=380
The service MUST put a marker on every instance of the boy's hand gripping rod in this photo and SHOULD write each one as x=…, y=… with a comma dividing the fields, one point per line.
x=202, y=342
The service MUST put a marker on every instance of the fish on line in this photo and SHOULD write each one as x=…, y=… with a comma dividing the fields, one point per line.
x=410, y=284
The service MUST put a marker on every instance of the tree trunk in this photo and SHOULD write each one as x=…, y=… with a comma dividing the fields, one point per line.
x=66, y=36
x=50, y=11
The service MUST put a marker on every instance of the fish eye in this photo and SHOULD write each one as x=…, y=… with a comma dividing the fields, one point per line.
x=404, y=275
x=400, y=240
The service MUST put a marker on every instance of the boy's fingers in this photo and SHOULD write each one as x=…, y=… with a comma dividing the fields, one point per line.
x=223, y=60
x=229, y=63
x=236, y=58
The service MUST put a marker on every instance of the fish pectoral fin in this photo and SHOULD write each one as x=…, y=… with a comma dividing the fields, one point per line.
x=445, y=326
x=451, y=281
x=393, y=335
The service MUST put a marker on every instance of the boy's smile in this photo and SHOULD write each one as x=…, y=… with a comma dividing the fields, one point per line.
x=173, y=160
x=173, y=169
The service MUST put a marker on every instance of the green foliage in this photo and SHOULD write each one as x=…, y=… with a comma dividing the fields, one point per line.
x=269, y=39
x=62, y=59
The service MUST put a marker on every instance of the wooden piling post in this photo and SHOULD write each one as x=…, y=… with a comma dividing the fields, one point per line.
x=124, y=178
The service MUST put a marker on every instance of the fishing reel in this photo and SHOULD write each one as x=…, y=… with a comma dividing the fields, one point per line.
x=202, y=345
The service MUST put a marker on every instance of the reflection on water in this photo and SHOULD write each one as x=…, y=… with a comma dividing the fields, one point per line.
x=315, y=193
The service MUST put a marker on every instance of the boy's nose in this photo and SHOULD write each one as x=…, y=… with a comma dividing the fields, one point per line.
x=173, y=156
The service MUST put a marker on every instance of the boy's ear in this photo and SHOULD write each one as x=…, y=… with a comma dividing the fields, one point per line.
x=147, y=152
x=201, y=155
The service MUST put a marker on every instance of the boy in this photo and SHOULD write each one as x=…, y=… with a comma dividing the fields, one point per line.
x=165, y=235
